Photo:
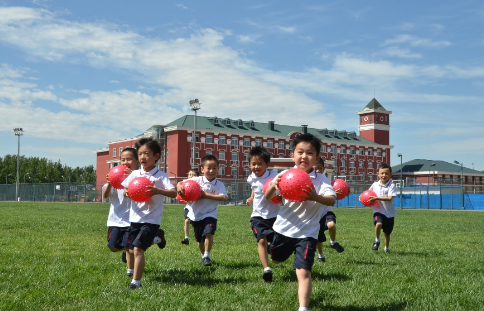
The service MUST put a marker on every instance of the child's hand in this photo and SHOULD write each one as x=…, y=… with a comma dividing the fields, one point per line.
x=152, y=190
x=277, y=180
x=125, y=193
x=372, y=199
x=179, y=188
x=338, y=192
x=107, y=178
x=127, y=171
x=249, y=201
x=203, y=195
x=311, y=194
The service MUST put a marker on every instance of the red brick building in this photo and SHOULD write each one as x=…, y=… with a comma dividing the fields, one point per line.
x=349, y=155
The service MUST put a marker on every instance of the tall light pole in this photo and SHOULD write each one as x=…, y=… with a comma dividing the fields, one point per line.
x=401, y=179
x=461, y=180
x=26, y=175
x=18, y=132
x=428, y=185
x=6, y=178
x=194, y=105
x=35, y=180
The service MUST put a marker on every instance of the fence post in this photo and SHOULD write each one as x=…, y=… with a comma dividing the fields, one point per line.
x=452, y=193
x=84, y=191
x=440, y=192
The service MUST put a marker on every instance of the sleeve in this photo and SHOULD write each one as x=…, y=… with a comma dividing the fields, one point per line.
x=371, y=187
x=221, y=189
x=249, y=180
x=392, y=192
x=326, y=189
x=128, y=179
x=166, y=183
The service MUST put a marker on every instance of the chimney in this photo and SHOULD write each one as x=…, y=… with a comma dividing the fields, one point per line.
x=304, y=129
x=271, y=125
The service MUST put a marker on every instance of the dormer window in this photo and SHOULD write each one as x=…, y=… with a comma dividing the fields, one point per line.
x=252, y=125
x=336, y=134
x=215, y=121
x=354, y=135
x=345, y=135
x=227, y=122
x=241, y=123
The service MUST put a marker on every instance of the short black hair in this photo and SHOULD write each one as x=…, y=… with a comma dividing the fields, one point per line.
x=384, y=165
x=209, y=157
x=195, y=171
x=150, y=143
x=320, y=160
x=260, y=152
x=308, y=138
x=132, y=150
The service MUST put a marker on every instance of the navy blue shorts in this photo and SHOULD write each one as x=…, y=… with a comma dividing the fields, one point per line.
x=118, y=237
x=186, y=213
x=304, y=249
x=203, y=227
x=263, y=228
x=323, y=225
x=141, y=235
x=387, y=223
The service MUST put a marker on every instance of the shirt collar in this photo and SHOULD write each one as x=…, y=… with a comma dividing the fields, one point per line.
x=312, y=174
x=206, y=181
x=385, y=185
x=152, y=172
x=266, y=174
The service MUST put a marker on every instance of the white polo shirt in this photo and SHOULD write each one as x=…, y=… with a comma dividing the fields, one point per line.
x=119, y=209
x=203, y=208
x=151, y=210
x=387, y=190
x=301, y=219
x=261, y=206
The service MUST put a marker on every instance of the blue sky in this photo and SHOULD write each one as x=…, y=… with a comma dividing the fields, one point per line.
x=77, y=74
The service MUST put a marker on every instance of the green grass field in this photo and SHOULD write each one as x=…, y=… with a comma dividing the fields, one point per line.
x=54, y=256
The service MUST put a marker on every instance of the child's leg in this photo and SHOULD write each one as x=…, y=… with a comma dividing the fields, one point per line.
x=387, y=240
x=378, y=229
x=129, y=258
x=332, y=230
x=187, y=227
x=304, y=287
x=320, y=247
x=139, y=263
x=201, y=247
x=264, y=258
x=208, y=242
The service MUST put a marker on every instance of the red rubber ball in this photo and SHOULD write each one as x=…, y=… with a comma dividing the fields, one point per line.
x=137, y=189
x=292, y=184
x=117, y=176
x=365, y=197
x=191, y=190
x=276, y=198
x=340, y=184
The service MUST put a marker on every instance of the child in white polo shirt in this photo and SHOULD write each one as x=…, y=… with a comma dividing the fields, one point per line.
x=186, y=227
x=203, y=212
x=145, y=217
x=297, y=224
x=264, y=212
x=383, y=211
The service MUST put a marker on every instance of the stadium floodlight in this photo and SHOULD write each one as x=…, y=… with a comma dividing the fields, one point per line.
x=401, y=178
x=18, y=132
x=6, y=178
x=461, y=180
x=26, y=175
x=428, y=185
x=194, y=105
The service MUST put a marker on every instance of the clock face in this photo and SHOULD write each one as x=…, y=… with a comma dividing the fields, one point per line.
x=366, y=119
x=381, y=118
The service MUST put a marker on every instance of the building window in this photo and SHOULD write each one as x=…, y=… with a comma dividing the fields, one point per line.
x=270, y=144
x=234, y=173
x=281, y=156
x=281, y=145
x=221, y=170
x=352, y=164
x=333, y=149
x=323, y=148
x=352, y=150
x=234, y=189
x=241, y=123
x=221, y=140
x=197, y=138
x=378, y=153
x=361, y=119
x=227, y=122
x=221, y=155
x=234, y=156
x=120, y=151
x=246, y=172
x=370, y=152
x=208, y=152
x=252, y=125
x=361, y=177
x=343, y=163
x=386, y=120
x=209, y=139
x=235, y=141
x=215, y=121
x=246, y=157
x=362, y=151
x=247, y=191
x=258, y=143
x=343, y=150
x=376, y=119
x=246, y=142
x=114, y=152
x=197, y=154
x=371, y=118
x=370, y=164
x=167, y=154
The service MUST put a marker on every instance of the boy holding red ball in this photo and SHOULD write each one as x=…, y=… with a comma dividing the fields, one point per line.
x=383, y=211
x=297, y=224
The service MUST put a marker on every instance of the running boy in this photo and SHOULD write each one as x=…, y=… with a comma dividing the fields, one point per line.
x=264, y=212
x=191, y=173
x=327, y=222
x=383, y=211
x=118, y=218
x=297, y=224
x=203, y=212
x=145, y=217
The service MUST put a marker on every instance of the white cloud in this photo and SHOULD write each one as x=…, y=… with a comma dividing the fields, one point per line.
x=182, y=6
x=249, y=38
x=417, y=42
x=113, y=81
x=398, y=52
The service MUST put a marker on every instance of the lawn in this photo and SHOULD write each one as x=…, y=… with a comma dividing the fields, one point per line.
x=55, y=257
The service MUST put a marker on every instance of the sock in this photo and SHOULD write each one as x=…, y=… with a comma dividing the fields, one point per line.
x=207, y=254
x=267, y=269
x=331, y=241
x=303, y=309
x=377, y=240
x=156, y=240
x=321, y=255
x=136, y=282
x=186, y=237
x=386, y=248
x=129, y=270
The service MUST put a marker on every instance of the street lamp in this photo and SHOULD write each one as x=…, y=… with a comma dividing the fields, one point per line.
x=26, y=175
x=35, y=180
x=18, y=132
x=6, y=178
x=194, y=105
x=428, y=185
x=461, y=180
x=401, y=179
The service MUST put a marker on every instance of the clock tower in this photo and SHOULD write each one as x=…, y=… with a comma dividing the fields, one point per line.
x=375, y=123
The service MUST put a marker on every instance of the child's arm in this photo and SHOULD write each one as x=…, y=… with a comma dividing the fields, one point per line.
x=216, y=197
x=271, y=190
x=251, y=199
x=107, y=190
x=179, y=188
x=328, y=200
x=373, y=199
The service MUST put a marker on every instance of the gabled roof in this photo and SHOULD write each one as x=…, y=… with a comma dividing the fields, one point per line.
x=421, y=165
x=264, y=129
x=374, y=104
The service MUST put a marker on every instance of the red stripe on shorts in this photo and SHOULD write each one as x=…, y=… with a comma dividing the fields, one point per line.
x=306, y=253
x=255, y=230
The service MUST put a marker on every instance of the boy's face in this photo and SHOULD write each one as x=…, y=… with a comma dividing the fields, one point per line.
x=258, y=166
x=319, y=167
x=147, y=158
x=384, y=174
x=128, y=160
x=304, y=155
x=191, y=174
x=210, y=169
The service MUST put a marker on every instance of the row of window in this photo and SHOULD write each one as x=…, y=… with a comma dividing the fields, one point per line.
x=234, y=141
x=352, y=164
x=343, y=150
x=221, y=155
